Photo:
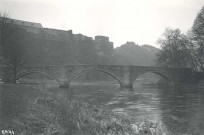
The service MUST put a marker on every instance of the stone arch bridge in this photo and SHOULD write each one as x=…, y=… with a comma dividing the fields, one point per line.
x=125, y=75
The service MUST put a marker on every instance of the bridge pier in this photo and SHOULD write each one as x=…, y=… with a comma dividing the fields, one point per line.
x=64, y=85
x=127, y=85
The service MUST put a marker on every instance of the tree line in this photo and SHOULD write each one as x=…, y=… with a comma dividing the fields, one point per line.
x=180, y=50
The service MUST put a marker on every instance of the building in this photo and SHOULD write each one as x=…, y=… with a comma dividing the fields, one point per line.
x=102, y=39
x=47, y=46
x=82, y=37
x=28, y=26
x=103, y=45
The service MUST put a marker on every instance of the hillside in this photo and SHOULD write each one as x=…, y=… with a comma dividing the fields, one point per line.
x=133, y=54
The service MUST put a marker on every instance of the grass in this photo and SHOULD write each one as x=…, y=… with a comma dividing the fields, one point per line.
x=36, y=111
x=57, y=114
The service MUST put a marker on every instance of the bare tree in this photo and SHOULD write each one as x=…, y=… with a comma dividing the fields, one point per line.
x=11, y=45
x=198, y=37
x=177, y=50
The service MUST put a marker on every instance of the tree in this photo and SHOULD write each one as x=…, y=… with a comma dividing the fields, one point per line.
x=85, y=51
x=4, y=31
x=11, y=45
x=175, y=50
x=198, y=37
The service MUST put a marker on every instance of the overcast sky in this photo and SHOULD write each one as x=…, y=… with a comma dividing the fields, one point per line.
x=141, y=21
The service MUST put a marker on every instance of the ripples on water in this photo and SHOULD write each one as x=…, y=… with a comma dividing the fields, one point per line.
x=180, y=108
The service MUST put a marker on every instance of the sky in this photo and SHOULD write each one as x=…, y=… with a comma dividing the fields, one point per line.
x=140, y=21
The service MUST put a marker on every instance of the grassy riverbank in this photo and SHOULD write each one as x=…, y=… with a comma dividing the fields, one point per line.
x=37, y=111
x=34, y=110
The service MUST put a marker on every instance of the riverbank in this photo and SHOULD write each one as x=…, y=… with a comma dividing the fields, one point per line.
x=37, y=110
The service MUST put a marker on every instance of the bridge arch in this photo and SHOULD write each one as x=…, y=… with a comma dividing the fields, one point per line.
x=96, y=69
x=157, y=72
x=36, y=71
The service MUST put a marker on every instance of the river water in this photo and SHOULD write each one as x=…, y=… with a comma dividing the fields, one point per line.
x=179, y=108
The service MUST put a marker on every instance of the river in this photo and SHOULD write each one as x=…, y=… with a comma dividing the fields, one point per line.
x=179, y=109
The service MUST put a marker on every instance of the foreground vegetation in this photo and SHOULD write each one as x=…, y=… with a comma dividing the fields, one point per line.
x=37, y=111
x=46, y=113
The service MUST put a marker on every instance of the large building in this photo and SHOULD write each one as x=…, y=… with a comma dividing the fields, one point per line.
x=24, y=23
x=52, y=46
x=103, y=45
x=28, y=26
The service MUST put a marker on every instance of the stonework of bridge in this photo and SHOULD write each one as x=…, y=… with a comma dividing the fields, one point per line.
x=125, y=75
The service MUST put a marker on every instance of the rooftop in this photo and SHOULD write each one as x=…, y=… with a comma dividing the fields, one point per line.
x=23, y=23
